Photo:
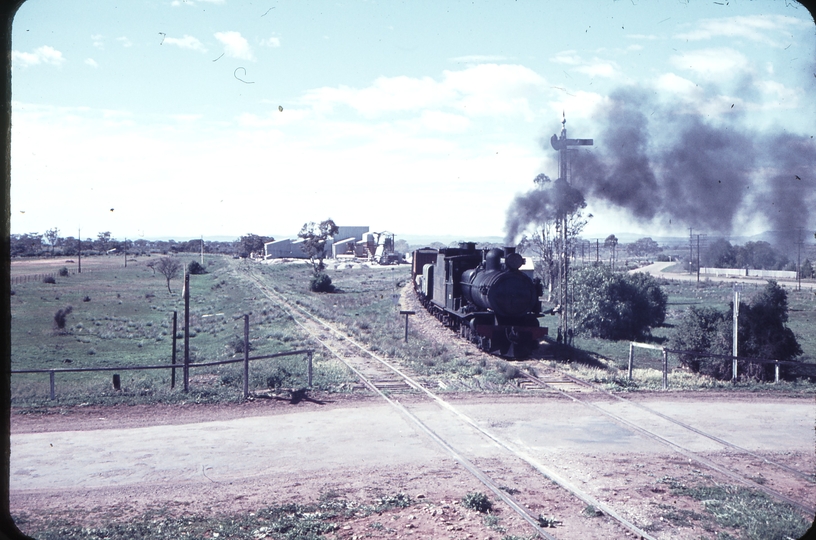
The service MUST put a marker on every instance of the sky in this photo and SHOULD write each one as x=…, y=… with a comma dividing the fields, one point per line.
x=170, y=118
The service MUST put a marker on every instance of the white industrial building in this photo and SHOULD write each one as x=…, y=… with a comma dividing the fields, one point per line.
x=348, y=240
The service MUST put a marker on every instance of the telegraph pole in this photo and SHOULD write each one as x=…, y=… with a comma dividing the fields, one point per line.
x=735, y=343
x=799, y=242
x=691, y=251
x=561, y=145
x=79, y=251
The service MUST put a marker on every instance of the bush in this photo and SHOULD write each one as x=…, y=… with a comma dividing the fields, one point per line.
x=60, y=315
x=49, y=279
x=477, y=501
x=63, y=272
x=236, y=345
x=615, y=305
x=195, y=268
x=321, y=283
x=762, y=334
x=704, y=330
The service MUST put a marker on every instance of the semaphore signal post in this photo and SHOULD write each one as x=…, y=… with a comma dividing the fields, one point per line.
x=561, y=145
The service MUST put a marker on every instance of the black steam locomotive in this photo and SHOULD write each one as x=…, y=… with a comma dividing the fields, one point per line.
x=482, y=295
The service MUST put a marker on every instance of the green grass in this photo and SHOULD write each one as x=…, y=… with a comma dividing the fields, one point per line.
x=606, y=361
x=284, y=522
x=750, y=514
x=127, y=321
x=364, y=309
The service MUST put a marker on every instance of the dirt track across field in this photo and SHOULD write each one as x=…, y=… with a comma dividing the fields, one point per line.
x=117, y=462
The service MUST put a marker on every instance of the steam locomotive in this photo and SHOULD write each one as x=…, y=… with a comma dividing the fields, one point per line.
x=482, y=295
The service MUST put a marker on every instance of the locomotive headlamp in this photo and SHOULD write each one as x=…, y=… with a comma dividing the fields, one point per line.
x=514, y=261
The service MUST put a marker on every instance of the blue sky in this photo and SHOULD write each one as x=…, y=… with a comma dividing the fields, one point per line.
x=177, y=118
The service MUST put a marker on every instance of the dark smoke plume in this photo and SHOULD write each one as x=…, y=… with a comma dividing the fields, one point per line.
x=546, y=201
x=659, y=162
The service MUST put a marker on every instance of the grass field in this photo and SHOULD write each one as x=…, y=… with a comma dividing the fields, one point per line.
x=123, y=317
x=612, y=356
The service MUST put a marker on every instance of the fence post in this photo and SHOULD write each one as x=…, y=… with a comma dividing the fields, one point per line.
x=51, y=376
x=246, y=356
x=665, y=369
x=186, y=332
x=631, y=358
x=310, y=369
x=173, y=360
x=776, y=371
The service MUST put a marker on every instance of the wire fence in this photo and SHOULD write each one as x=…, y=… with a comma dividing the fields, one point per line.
x=794, y=368
x=309, y=353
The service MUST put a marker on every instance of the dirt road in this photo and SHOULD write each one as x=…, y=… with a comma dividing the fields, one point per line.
x=656, y=270
x=239, y=458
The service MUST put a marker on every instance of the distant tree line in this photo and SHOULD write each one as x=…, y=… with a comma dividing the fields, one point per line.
x=753, y=255
x=51, y=244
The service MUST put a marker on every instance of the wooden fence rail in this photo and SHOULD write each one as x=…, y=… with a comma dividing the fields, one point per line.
x=52, y=372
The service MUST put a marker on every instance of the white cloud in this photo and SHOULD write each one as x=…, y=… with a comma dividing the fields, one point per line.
x=91, y=62
x=187, y=42
x=578, y=104
x=97, y=41
x=715, y=64
x=566, y=57
x=481, y=90
x=41, y=55
x=674, y=84
x=235, y=45
x=598, y=69
x=777, y=95
x=752, y=27
x=271, y=42
x=444, y=122
x=124, y=41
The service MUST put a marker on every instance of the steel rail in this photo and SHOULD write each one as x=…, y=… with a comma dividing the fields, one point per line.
x=467, y=464
x=524, y=456
x=681, y=449
x=700, y=432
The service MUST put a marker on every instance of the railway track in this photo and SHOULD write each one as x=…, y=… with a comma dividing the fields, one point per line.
x=383, y=378
x=580, y=391
x=388, y=381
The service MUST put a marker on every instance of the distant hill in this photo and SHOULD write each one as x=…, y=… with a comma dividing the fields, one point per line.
x=426, y=240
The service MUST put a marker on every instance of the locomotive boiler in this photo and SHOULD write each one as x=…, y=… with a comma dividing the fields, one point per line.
x=482, y=295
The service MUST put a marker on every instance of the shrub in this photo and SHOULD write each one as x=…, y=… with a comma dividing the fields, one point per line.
x=49, y=279
x=614, y=305
x=321, y=283
x=477, y=501
x=60, y=315
x=704, y=330
x=236, y=345
x=63, y=272
x=86, y=299
x=762, y=334
x=195, y=268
